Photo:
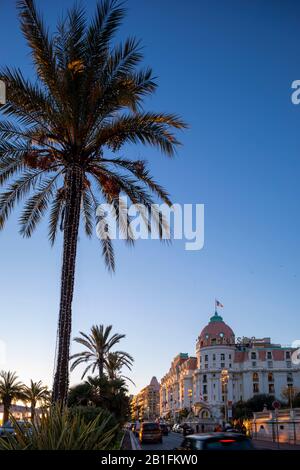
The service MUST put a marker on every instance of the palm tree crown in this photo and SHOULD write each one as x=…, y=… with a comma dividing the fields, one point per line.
x=98, y=344
x=34, y=393
x=114, y=364
x=10, y=389
x=61, y=152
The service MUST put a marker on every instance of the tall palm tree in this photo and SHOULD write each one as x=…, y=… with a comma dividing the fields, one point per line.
x=98, y=344
x=63, y=154
x=115, y=362
x=34, y=393
x=10, y=389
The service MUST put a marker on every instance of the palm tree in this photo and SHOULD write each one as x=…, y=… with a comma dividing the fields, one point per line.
x=61, y=150
x=35, y=392
x=115, y=362
x=10, y=389
x=98, y=345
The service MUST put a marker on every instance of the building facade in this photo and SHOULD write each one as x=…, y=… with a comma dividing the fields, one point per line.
x=145, y=405
x=226, y=370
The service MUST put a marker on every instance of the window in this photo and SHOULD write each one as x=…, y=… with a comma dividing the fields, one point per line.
x=222, y=365
x=206, y=366
x=204, y=389
x=289, y=377
x=288, y=364
x=206, y=358
x=288, y=355
x=229, y=356
x=253, y=355
x=214, y=357
x=204, y=378
x=270, y=364
x=271, y=389
x=253, y=363
x=255, y=388
x=269, y=355
x=222, y=357
x=255, y=377
x=270, y=377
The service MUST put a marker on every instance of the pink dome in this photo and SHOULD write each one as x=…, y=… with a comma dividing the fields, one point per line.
x=216, y=332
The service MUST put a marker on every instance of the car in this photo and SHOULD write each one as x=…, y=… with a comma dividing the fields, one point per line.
x=216, y=441
x=186, y=429
x=136, y=428
x=164, y=429
x=150, y=432
x=6, y=429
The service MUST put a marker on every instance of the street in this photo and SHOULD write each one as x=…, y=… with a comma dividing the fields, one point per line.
x=169, y=442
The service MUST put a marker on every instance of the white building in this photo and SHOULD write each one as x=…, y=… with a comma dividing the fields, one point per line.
x=224, y=371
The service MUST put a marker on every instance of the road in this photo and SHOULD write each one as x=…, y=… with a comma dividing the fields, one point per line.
x=169, y=442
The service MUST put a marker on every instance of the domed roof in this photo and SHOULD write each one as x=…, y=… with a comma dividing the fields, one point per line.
x=216, y=332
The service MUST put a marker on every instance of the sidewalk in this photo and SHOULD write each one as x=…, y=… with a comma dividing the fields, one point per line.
x=260, y=444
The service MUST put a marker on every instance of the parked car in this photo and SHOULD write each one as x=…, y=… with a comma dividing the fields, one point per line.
x=164, y=429
x=176, y=427
x=216, y=441
x=186, y=429
x=150, y=432
x=136, y=428
x=7, y=428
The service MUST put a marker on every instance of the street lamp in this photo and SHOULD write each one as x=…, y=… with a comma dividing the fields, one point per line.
x=224, y=382
x=190, y=395
x=2, y=92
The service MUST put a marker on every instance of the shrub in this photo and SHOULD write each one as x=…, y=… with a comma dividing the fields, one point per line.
x=61, y=429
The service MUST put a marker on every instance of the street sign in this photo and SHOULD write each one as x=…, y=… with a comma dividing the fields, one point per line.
x=276, y=404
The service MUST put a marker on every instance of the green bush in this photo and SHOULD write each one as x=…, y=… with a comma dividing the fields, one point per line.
x=61, y=429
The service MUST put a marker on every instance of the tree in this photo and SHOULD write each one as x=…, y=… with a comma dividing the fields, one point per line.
x=98, y=345
x=111, y=395
x=289, y=394
x=10, y=389
x=34, y=393
x=63, y=153
x=115, y=362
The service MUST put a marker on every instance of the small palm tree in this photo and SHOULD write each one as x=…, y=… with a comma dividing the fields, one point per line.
x=10, y=389
x=115, y=362
x=34, y=393
x=98, y=345
x=61, y=148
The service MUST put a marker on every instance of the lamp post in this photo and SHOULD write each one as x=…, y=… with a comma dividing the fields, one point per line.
x=2, y=92
x=190, y=395
x=224, y=382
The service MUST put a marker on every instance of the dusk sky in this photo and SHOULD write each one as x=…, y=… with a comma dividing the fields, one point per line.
x=227, y=69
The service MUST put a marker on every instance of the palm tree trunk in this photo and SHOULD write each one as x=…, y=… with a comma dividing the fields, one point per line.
x=6, y=407
x=73, y=188
x=32, y=410
x=100, y=367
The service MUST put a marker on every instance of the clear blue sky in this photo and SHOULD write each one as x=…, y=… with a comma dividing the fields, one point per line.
x=227, y=68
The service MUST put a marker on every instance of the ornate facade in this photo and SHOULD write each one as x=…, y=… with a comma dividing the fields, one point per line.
x=225, y=371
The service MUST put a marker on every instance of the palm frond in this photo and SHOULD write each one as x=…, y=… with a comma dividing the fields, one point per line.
x=36, y=206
